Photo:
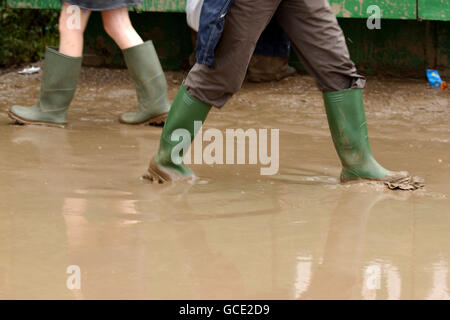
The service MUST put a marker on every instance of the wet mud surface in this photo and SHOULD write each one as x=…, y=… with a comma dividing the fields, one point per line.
x=75, y=196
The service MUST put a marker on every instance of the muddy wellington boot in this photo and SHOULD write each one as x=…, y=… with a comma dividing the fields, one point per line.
x=151, y=87
x=184, y=111
x=58, y=85
x=347, y=121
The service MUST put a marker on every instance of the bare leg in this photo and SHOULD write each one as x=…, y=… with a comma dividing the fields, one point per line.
x=118, y=26
x=60, y=73
x=72, y=23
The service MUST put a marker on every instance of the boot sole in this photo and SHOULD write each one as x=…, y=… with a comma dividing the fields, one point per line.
x=156, y=174
x=20, y=120
x=153, y=121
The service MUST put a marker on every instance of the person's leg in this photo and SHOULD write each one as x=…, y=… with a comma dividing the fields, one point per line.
x=60, y=73
x=270, y=60
x=206, y=86
x=244, y=24
x=144, y=67
x=118, y=26
x=72, y=23
x=320, y=44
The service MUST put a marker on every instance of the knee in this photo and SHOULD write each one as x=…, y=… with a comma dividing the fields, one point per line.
x=110, y=28
x=208, y=86
x=114, y=27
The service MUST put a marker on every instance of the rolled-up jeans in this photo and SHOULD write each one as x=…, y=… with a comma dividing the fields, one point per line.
x=315, y=36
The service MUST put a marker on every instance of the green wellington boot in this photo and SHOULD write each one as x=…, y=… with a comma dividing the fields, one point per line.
x=184, y=111
x=151, y=87
x=58, y=85
x=347, y=121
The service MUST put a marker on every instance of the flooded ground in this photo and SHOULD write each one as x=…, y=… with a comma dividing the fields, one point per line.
x=74, y=196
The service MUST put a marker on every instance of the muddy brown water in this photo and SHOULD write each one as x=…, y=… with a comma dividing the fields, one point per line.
x=74, y=197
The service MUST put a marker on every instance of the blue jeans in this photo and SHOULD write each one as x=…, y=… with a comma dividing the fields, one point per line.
x=273, y=42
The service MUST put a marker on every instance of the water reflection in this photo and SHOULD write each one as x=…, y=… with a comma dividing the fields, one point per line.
x=74, y=197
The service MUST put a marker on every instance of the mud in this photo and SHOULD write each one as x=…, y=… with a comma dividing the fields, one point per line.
x=75, y=196
x=410, y=183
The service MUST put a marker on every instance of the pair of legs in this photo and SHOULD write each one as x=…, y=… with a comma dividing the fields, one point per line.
x=73, y=21
x=320, y=45
x=61, y=70
x=314, y=33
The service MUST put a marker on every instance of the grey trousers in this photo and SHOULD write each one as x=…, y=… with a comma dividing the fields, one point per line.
x=315, y=36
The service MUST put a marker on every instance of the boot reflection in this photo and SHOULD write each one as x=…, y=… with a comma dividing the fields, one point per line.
x=341, y=274
x=32, y=259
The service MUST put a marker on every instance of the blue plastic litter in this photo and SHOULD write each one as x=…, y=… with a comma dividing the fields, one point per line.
x=434, y=78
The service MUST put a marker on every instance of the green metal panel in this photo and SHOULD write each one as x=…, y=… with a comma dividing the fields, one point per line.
x=434, y=9
x=390, y=9
x=163, y=5
x=34, y=4
x=147, y=5
x=168, y=31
